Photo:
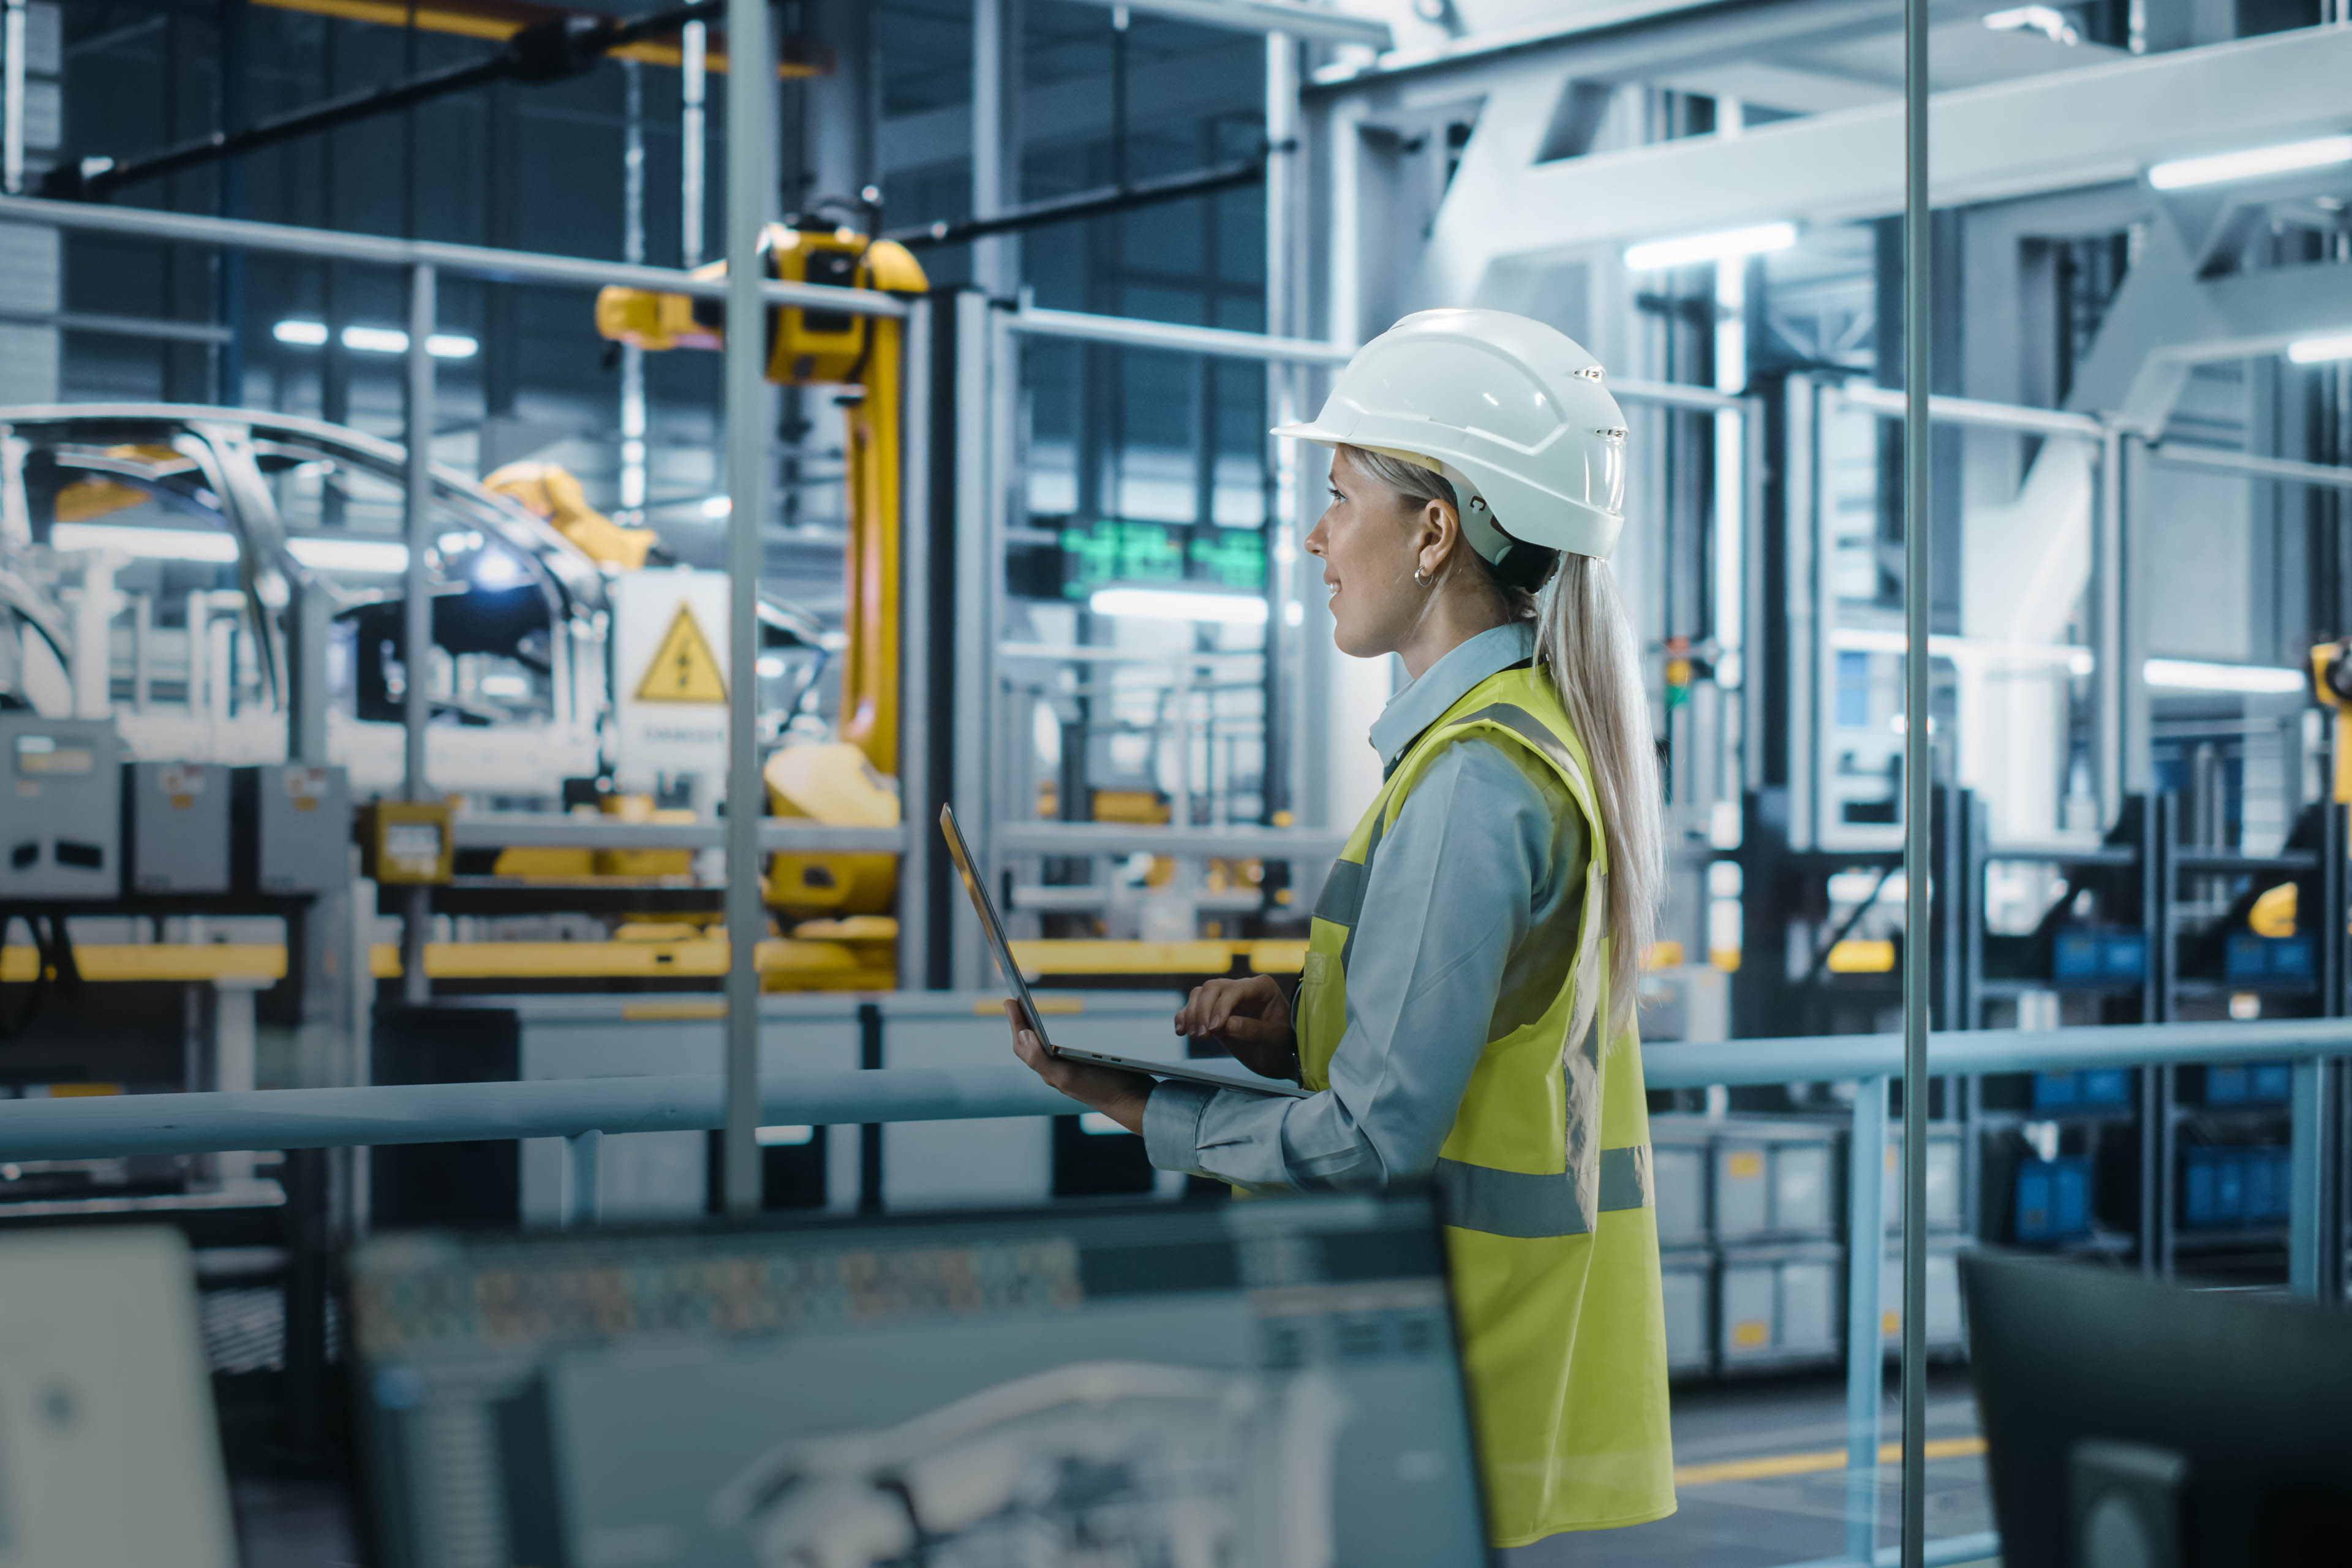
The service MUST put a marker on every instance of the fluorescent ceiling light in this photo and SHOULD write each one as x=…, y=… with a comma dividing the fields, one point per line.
x=2043, y=19
x=2251, y=164
x=378, y=557
x=1179, y=605
x=717, y=506
x=2191, y=675
x=770, y=665
x=775, y=1137
x=376, y=340
x=1965, y=650
x=147, y=543
x=1656, y=255
x=1096, y=1123
x=2319, y=351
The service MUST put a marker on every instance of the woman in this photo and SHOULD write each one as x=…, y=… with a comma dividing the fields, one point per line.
x=1465, y=1012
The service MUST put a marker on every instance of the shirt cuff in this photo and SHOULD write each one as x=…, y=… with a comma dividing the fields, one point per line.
x=1171, y=1124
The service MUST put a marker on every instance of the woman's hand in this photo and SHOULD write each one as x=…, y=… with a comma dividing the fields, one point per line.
x=1118, y=1095
x=1251, y=1018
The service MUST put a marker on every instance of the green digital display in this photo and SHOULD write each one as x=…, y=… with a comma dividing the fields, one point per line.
x=1114, y=550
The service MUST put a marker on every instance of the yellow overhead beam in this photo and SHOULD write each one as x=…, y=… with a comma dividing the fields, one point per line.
x=159, y=960
x=496, y=21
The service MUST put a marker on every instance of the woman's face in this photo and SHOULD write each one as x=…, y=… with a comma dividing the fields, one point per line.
x=1371, y=541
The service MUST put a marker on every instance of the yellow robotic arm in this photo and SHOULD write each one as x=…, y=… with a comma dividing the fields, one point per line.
x=817, y=347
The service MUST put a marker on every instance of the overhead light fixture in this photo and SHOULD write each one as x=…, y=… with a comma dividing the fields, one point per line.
x=2050, y=23
x=497, y=568
x=1657, y=254
x=376, y=340
x=146, y=544
x=2253, y=163
x=2194, y=675
x=2320, y=350
x=782, y=1137
x=717, y=506
x=2078, y=661
x=1179, y=605
x=375, y=557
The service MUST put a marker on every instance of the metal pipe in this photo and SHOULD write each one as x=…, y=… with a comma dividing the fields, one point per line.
x=1075, y=325
x=1865, y=1363
x=916, y=692
x=1098, y=203
x=2107, y=621
x=417, y=617
x=12, y=100
x=547, y=831
x=1918, y=565
x=1242, y=839
x=692, y=42
x=105, y=325
x=462, y=260
x=1890, y=404
x=2287, y=470
x=117, y=1125
x=750, y=191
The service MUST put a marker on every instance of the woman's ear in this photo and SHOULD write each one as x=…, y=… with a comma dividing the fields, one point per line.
x=1440, y=531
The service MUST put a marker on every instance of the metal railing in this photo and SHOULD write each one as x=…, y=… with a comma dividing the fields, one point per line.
x=583, y=1111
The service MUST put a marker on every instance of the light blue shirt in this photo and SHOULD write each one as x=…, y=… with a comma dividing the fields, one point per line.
x=1469, y=926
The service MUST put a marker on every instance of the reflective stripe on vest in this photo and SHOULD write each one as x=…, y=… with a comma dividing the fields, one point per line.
x=1515, y=1203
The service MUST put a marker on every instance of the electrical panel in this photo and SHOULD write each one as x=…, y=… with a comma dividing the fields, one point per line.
x=175, y=828
x=60, y=808
x=291, y=828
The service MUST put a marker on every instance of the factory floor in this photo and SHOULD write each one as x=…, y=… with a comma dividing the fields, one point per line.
x=1759, y=1479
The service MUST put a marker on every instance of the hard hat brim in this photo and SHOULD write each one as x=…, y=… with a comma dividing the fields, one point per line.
x=1309, y=431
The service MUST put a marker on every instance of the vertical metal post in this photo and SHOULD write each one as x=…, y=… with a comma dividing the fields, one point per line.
x=633, y=251
x=916, y=808
x=2107, y=624
x=1282, y=396
x=583, y=1204
x=1917, y=600
x=2314, y=1268
x=12, y=102
x=974, y=653
x=751, y=190
x=994, y=177
x=1865, y=1359
x=416, y=620
x=692, y=42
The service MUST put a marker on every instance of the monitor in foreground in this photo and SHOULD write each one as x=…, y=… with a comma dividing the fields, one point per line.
x=2136, y=1425
x=1267, y=1384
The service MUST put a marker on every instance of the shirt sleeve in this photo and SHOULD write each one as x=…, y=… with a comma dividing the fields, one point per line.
x=1451, y=894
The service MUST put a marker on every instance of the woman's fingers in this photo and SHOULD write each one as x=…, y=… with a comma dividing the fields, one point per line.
x=1205, y=1011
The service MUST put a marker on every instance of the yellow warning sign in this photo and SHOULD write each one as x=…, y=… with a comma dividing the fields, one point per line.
x=683, y=669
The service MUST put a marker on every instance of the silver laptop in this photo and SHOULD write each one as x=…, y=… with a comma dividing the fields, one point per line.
x=985, y=906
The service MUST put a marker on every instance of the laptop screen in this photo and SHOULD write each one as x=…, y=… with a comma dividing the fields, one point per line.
x=985, y=906
x=1264, y=1384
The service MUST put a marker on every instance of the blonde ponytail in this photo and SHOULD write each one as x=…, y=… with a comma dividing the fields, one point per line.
x=1584, y=644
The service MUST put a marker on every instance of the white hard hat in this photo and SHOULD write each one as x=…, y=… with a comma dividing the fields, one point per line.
x=1509, y=410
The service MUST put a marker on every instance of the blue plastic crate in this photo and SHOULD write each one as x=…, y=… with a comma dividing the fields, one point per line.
x=2056, y=1090
x=2226, y=1185
x=2103, y=1087
x=2270, y=1083
x=2079, y=955
x=2123, y=954
x=2227, y=1084
x=2053, y=1199
x=2265, y=1185
x=2246, y=957
x=2290, y=957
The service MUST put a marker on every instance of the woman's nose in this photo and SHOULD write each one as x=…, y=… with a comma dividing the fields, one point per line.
x=1313, y=542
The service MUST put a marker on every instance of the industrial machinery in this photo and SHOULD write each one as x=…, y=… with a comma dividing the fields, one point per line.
x=850, y=783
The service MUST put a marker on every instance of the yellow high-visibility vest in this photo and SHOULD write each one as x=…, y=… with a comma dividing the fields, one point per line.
x=1545, y=1178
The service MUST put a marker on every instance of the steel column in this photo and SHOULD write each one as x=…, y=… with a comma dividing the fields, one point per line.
x=582, y=1200
x=417, y=611
x=1918, y=497
x=2315, y=1244
x=1865, y=1363
x=915, y=567
x=751, y=425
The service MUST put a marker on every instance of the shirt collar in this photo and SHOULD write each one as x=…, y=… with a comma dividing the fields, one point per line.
x=1441, y=685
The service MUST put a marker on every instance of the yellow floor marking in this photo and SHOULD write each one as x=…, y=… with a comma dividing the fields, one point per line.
x=1769, y=1465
